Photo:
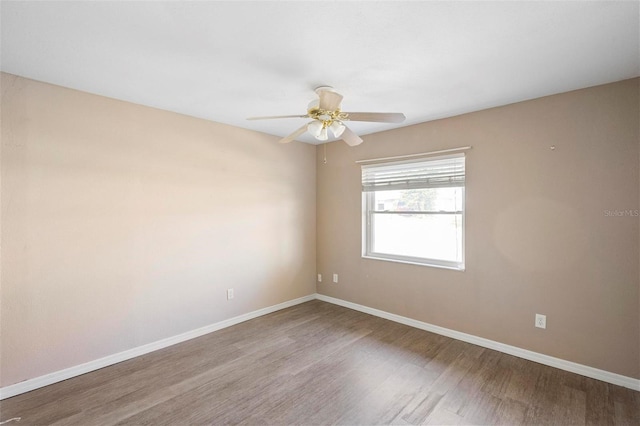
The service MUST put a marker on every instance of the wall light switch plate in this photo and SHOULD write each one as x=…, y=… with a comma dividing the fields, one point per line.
x=229, y=294
x=319, y=278
x=335, y=278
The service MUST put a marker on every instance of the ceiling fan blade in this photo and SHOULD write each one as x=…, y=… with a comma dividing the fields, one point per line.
x=294, y=135
x=381, y=117
x=351, y=138
x=277, y=116
x=329, y=101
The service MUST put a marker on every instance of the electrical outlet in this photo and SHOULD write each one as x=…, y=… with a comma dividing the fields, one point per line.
x=229, y=294
x=541, y=321
x=335, y=278
x=319, y=278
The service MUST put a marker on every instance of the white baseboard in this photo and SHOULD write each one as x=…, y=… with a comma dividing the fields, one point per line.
x=67, y=373
x=58, y=376
x=594, y=373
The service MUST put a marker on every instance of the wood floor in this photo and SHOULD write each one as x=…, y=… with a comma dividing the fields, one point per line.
x=317, y=363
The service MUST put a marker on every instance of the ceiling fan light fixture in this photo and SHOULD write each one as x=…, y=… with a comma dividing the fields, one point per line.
x=337, y=128
x=324, y=135
x=315, y=128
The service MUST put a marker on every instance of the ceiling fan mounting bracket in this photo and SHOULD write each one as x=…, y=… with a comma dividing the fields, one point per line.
x=324, y=89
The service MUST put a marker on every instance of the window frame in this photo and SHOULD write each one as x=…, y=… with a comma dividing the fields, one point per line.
x=368, y=223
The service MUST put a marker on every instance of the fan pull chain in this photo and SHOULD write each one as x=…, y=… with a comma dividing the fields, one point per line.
x=325, y=153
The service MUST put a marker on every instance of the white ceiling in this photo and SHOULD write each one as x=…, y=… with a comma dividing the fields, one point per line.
x=226, y=61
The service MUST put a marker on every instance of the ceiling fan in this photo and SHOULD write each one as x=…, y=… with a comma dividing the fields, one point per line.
x=326, y=115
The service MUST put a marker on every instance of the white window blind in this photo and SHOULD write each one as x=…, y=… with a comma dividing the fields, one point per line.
x=435, y=173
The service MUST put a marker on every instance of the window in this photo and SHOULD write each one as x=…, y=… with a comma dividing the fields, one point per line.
x=413, y=211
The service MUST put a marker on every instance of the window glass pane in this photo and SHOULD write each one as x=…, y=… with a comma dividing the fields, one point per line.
x=425, y=199
x=430, y=236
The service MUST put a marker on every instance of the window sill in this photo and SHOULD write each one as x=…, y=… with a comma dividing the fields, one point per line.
x=431, y=265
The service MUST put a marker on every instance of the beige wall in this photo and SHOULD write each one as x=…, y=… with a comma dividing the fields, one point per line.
x=537, y=237
x=123, y=225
